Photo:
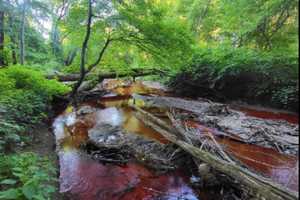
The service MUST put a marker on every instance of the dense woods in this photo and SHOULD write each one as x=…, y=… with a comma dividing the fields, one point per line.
x=53, y=51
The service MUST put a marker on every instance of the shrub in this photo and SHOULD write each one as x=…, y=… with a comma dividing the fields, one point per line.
x=240, y=73
x=26, y=176
x=24, y=98
x=31, y=80
x=5, y=83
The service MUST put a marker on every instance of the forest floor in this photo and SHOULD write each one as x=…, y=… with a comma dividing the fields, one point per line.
x=43, y=144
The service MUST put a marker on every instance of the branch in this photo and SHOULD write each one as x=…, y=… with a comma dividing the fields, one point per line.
x=92, y=66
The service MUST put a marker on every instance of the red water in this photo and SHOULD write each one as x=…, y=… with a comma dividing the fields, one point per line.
x=292, y=118
x=85, y=179
x=282, y=169
x=82, y=178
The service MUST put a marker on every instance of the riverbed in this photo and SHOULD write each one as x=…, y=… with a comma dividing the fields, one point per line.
x=84, y=178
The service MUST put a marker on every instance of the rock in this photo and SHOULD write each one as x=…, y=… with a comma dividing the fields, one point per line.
x=106, y=135
x=203, y=169
x=86, y=110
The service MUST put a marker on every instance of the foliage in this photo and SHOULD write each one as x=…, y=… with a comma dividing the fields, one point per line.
x=255, y=74
x=230, y=37
x=24, y=98
x=157, y=31
x=26, y=176
x=263, y=24
x=28, y=79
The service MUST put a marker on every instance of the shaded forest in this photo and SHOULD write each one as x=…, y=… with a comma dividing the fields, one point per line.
x=57, y=56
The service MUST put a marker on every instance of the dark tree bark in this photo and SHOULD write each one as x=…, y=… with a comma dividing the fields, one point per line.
x=13, y=38
x=83, y=52
x=22, y=34
x=2, y=62
x=92, y=66
x=83, y=71
x=71, y=56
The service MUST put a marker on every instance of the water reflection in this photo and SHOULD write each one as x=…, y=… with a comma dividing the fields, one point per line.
x=85, y=179
x=82, y=178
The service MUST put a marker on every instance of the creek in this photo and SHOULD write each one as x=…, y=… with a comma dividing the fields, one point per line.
x=84, y=178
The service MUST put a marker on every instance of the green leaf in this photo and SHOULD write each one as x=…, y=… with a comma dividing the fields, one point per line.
x=14, y=137
x=8, y=182
x=39, y=197
x=50, y=189
x=29, y=191
x=10, y=194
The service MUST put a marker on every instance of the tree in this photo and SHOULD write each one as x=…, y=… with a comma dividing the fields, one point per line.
x=2, y=63
x=22, y=32
x=120, y=23
x=83, y=51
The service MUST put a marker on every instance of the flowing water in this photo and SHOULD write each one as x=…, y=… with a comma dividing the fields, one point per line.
x=85, y=179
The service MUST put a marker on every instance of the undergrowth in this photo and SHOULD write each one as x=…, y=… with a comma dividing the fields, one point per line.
x=26, y=176
x=243, y=74
x=24, y=98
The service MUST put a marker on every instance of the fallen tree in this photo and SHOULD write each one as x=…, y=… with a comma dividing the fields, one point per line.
x=105, y=75
x=279, y=135
x=258, y=186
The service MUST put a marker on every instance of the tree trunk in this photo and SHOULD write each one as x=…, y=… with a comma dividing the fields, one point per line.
x=13, y=39
x=71, y=56
x=83, y=52
x=22, y=34
x=56, y=45
x=2, y=62
x=106, y=75
x=83, y=71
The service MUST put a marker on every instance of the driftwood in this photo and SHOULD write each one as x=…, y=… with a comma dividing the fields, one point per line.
x=105, y=75
x=113, y=145
x=279, y=135
x=260, y=187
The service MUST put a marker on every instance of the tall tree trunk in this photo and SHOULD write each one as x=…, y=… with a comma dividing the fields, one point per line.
x=55, y=43
x=22, y=34
x=83, y=70
x=2, y=62
x=14, y=57
x=13, y=38
x=83, y=53
x=70, y=57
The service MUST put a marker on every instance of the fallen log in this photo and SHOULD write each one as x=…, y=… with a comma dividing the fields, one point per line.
x=259, y=186
x=106, y=75
x=279, y=135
